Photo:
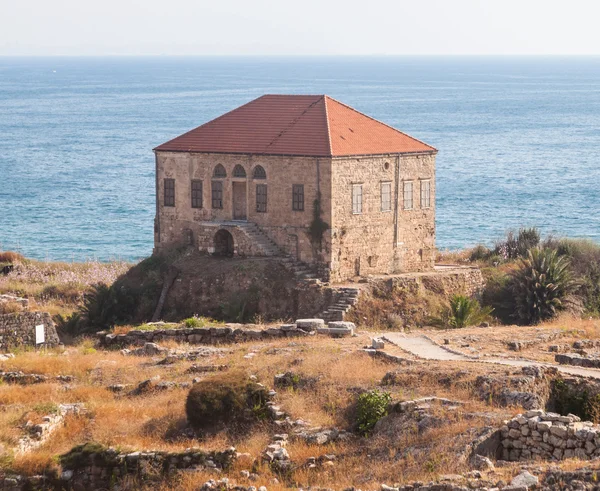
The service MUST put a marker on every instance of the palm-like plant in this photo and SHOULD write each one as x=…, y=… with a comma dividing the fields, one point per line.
x=541, y=286
x=462, y=312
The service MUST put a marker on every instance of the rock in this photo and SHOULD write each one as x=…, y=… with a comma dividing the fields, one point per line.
x=525, y=479
x=310, y=325
x=482, y=463
x=377, y=343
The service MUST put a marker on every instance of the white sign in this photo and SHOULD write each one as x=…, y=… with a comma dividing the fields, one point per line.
x=39, y=334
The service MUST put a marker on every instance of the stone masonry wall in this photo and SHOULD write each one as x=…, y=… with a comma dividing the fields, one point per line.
x=287, y=228
x=18, y=329
x=537, y=434
x=210, y=336
x=376, y=241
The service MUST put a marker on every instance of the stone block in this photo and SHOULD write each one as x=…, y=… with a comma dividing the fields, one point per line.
x=310, y=325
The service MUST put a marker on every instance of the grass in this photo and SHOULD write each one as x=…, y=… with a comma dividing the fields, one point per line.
x=56, y=287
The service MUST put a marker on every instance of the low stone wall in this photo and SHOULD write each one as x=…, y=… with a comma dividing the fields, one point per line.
x=445, y=280
x=210, y=335
x=95, y=467
x=18, y=329
x=577, y=360
x=537, y=434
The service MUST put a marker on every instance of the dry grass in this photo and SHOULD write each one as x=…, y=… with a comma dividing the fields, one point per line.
x=56, y=287
x=155, y=420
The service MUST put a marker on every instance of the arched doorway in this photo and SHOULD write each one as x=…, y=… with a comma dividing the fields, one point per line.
x=223, y=243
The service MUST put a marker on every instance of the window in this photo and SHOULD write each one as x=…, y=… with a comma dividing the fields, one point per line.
x=298, y=197
x=386, y=196
x=169, y=192
x=425, y=194
x=219, y=172
x=217, y=194
x=239, y=171
x=259, y=172
x=357, y=199
x=408, y=195
x=261, y=198
x=196, y=193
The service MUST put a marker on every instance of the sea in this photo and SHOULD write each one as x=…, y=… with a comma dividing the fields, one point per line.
x=518, y=139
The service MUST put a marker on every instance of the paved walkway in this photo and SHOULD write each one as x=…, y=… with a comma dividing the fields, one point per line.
x=422, y=347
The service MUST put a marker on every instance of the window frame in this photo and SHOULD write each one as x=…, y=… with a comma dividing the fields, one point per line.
x=357, y=199
x=297, y=197
x=425, y=193
x=169, y=192
x=220, y=175
x=387, y=184
x=259, y=172
x=239, y=172
x=216, y=194
x=197, y=195
x=408, y=197
x=261, y=204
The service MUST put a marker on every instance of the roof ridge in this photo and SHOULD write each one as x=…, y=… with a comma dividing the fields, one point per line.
x=325, y=98
x=211, y=121
x=380, y=122
x=296, y=119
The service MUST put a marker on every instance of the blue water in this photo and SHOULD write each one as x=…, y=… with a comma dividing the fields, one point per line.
x=518, y=139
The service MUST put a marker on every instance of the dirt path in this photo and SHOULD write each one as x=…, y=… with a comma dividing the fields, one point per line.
x=422, y=347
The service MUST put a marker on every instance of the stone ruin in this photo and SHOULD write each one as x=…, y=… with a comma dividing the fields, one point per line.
x=27, y=329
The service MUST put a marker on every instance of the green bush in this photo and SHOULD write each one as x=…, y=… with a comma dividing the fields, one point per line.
x=479, y=253
x=513, y=247
x=584, y=259
x=230, y=399
x=541, y=286
x=462, y=312
x=371, y=407
x=99, y=307
x=69, y=325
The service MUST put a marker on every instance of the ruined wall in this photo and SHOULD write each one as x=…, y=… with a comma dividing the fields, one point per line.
x=18, y=329
x=380, y=241
x=286, y=227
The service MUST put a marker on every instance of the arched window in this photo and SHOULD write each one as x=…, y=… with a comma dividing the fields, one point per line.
x=219, y=171
x=259, y=172
x=238, y=171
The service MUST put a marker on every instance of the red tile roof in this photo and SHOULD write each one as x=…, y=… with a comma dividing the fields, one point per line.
x=311, y=125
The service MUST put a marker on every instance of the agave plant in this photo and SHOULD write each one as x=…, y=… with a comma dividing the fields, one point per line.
x=541, y=285
x=462, y=312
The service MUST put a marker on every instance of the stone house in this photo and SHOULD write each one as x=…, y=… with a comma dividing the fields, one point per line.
x=305, y=176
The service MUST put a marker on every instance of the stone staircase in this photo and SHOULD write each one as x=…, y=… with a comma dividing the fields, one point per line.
x=258, y=237
x=343, y=300
x=301, y=270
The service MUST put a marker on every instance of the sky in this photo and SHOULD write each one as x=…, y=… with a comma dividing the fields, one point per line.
x=301, y=27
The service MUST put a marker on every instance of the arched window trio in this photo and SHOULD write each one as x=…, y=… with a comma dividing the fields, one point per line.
x=219, y=172
x=239, y=172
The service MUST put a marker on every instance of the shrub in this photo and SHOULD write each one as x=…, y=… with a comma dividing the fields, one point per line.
x=497, y=295
x=98, y=309
x=462, y=312
x=541, y=286
x=371, y=407
x=479, y=253
x=513, y=247
x=230, y=399
x=584, y=259
x=9, y=257
x=70, y=325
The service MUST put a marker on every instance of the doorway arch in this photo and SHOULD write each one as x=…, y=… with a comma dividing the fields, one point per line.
x=223, y=243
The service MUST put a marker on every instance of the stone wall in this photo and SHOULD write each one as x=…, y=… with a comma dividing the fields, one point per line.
x=210, y=336
x=444, y=281
x=287, y=228
x=18, y=329
x=537, y=434
x=92, y=466
x=376, y=241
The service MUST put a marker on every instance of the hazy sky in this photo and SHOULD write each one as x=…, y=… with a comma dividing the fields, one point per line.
x=216, y=27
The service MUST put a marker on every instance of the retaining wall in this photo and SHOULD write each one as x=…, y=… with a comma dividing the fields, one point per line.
x=210, y=336
x=18, y=329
